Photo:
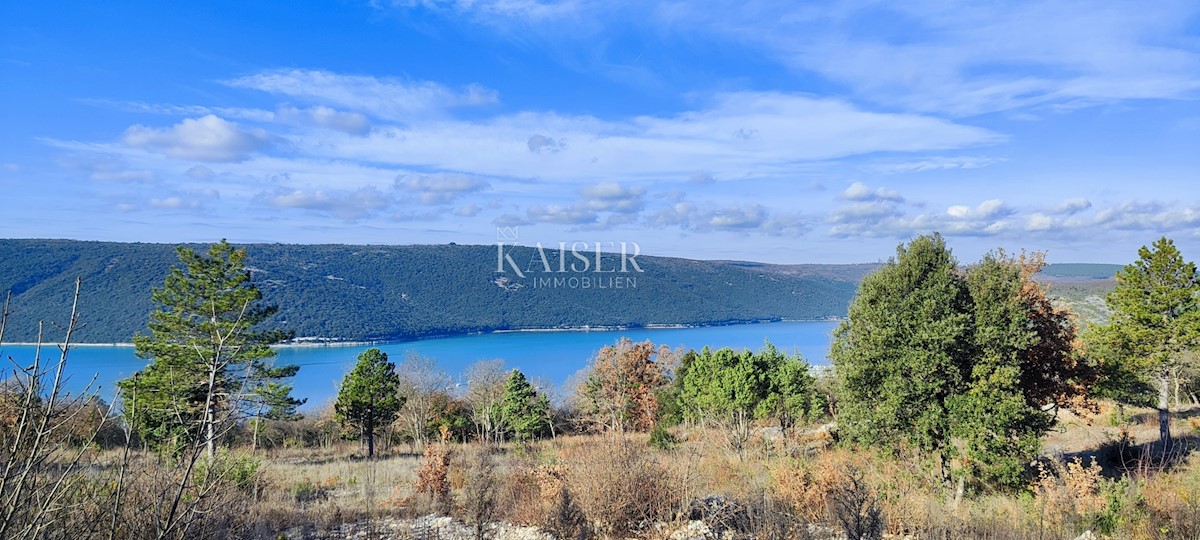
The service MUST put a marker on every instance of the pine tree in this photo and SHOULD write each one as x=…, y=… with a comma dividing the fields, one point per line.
x=369, y=399
x=1155, y=322
x=209, y=360
x=525, y=412
x=737, y=388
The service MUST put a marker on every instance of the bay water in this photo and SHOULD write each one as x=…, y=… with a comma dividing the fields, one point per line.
x=550, y=356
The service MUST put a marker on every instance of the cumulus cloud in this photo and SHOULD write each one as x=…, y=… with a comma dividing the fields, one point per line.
x=986, y=210
x=1039, y=222
x=691, y=217
x=880, y=217
x=172, y=203
x=348, y=205
x=1072, y=206
x=208, y=138
x=561, y=214
x=468, y=210
x=859, y=191
x=612, y=197
x=1148, y=216
x=440, y=188
x=388, y=98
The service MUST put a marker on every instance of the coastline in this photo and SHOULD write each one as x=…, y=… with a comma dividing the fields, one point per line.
x=315, y=342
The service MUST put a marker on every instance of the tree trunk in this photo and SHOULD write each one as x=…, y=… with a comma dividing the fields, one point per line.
x=1177, y=403
x=210, y=413
x=369, y=431
x=1164, y=401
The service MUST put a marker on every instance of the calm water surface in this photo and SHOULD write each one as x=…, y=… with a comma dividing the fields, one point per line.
x=552, y=356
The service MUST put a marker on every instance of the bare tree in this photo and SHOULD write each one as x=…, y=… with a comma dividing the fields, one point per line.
x=420, y=380
x=485, y=390
x=41, y=453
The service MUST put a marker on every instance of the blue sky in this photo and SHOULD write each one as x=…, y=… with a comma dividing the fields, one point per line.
x=775, y=131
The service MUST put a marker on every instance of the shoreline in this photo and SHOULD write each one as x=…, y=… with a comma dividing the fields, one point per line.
x=315, y=342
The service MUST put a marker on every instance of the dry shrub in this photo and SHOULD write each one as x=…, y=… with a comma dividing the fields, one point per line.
x=566, y=519
x=532, y=490
x=1172, y=500
x=807, y=483
x=1066, y=493
x=619, y=485
x=902, y=488
x=433, y=479
x=480, y=491
x=1070, y=487
x=855, y=506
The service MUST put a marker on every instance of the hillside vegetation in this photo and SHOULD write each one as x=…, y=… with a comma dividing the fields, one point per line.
x=345, y=292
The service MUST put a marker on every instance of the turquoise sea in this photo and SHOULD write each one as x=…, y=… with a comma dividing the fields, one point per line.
x=550, y=355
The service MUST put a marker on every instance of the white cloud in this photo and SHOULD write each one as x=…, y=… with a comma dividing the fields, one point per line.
x=348, y=205
x=737, y=218
x=350, y=122
x=387, y=98
x=1039, y=222
x=1072, y=206
x=612, y=197
x=890, y=218
x=859, y=191
x=469, y=210
x=241, y=113
x=934, y=164
x=440, y=188
x=172, y=203
x=959, y=59
x=561, y=214
x=208, y=138
x=987, y=210
x=791, y=130
x=1148, y=216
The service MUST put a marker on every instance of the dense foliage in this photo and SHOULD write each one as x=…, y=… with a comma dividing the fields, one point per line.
x=397, y=292
x=956, y=365
x=735, y=389
x=369, y=398
x=526, y=413
x=210, y=360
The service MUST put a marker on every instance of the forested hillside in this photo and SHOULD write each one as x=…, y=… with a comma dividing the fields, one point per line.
x=395, y=292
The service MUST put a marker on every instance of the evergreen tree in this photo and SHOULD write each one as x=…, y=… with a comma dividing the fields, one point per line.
x=1155, y=322
x=525, y=412
x=999, y=427
x=958, y=364
x=274, y=401
x=737, y=388
x=905, y=351
x=369, y=399
x=209, y=360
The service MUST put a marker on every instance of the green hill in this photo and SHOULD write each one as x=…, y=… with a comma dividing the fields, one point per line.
x=345, y=292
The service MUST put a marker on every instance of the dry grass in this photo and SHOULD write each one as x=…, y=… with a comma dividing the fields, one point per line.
x=619, y=486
